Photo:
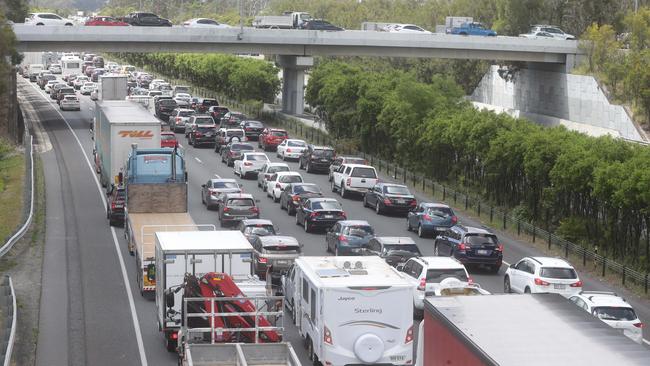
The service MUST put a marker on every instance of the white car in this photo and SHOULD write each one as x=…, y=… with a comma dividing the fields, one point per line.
x=153, y=85
x=279, y=181
x=406, y=28
x=204, y=23
x=80, y=81
x=426, y=274
x=267, y=171
x=47, y=19
x=542, y=275
x=537, y=35
x=50, y=84
x=87, y=88
x=70, y=103
x=554, y=31
x=613, y=310
x=250, y=163
x=291, y=149
x=55, y=69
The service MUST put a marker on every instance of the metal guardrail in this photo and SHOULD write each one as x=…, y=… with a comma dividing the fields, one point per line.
x=8, y=301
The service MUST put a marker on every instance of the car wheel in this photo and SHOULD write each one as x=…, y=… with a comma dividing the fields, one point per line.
x=336, y=251
x=421, y=232
x=333, y=186
x=202, y=199
x=189, y=141
x=329, y=177
x=343, y=195
x=408, y=225
x=527, y=290
x=310, y=351
x=365, y=200
x=435, y=250
x=506, y=285
x=377, y=208
x=306, y=226
x=281, y=203
x=275, y=199
x=297, y=221
x=284, y=157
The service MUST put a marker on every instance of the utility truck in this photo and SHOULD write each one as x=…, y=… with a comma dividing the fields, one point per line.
x=195, y=271
x=288, y=20
x=351, y=310
x=117, y=125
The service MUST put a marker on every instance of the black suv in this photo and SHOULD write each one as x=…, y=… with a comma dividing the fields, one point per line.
x=202, y=135
x=164, y=107
x=204, y=105
x=115, y=208
x=146, y=20
x=389, y=197
x=470, y=245
x=316, y=158
x=395, y=250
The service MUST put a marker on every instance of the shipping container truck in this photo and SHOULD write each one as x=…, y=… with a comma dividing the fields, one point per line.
x=196, y=253
x=117, y=125
x=288, y=20
x=351, y=310
x=515, y=330
x=112, y=87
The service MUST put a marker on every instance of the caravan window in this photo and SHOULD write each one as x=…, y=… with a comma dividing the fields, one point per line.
x=305, y=290
x=313, y=306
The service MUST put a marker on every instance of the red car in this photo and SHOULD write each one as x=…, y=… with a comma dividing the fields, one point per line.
x=168, y=139
x=270, y=138
x=105, y=21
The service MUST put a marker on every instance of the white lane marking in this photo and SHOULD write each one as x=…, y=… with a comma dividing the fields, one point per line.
x=217, y=175
x=506, y=263
x=199, y=160
x=134, y=315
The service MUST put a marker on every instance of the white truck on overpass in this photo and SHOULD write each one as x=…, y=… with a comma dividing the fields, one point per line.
x=288, y=20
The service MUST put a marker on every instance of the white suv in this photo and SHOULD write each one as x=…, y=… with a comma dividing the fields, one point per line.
x=426, y=274
x=553, y=31
x=613, y=310
x=47, y=19
x=541, y=275
x=250, y=164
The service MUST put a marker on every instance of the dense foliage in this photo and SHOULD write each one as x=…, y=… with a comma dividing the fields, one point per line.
x=238, y=77
x=592, y=190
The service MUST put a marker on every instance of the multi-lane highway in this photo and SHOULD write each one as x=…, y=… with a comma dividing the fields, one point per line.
x=91, y=310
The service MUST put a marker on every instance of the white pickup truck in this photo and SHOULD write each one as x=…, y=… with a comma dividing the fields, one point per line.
x=353, y=178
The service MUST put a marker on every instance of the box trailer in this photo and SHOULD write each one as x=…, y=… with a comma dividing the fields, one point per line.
x=112, y=87
x=514, y=330
x=288, y=20
x=196, y=253
x=352, y=310
x=118, y=125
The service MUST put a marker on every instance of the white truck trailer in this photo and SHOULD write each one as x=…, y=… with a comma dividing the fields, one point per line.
x=351, y=310
x=288, y=20
x=117, y=125
x=112, y=87
x=197, y=253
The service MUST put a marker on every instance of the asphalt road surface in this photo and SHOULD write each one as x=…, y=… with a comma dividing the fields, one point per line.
x=91, y=309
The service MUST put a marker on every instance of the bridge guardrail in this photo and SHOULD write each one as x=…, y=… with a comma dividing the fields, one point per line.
x=8, y=304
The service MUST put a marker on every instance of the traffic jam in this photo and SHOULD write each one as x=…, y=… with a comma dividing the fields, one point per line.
x=237, y=286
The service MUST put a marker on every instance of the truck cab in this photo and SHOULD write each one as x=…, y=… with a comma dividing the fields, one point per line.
x=473, y=29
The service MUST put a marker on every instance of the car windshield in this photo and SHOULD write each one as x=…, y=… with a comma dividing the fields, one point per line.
x=261, y=230
x=403, y=247
x=326, y=205
x=209, y=102
x=254, y=124
x=167, y=137
x=167, y=102
x=238, y=116
x=204, y=121
x=275, y=169
x=241, y=147
x=225, y=185
x=290, y=179
x=559, y=273
x=257, y=157
x=442, y=212
x=436, y=275
x=360, y=231
x=288, y=249
x=396, y=190
x=237, y=133
x=480, y=239
x=362, y=172
x=323, y=153
x=185, y=113
x=296, y=143
x=306, y=188
x=614, y=313
x=279, y=133
x=241, y=202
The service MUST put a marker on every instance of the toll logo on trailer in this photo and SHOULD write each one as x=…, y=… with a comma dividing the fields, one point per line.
x=138, y=134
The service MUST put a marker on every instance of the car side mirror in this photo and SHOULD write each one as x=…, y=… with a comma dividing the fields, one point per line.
x=169, y=299
x=202, y=185
x=400, y=267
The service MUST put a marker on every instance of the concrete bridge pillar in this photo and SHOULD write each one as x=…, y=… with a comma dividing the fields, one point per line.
x=293, y=81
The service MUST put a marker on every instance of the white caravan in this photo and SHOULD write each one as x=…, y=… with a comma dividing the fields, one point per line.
x=70, y=65
x=351, y=310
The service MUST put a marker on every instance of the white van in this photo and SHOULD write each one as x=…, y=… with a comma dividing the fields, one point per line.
x=351, y=310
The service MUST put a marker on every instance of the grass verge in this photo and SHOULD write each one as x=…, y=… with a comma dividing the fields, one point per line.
x=12, y=178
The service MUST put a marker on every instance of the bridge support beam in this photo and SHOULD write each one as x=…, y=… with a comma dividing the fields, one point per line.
x=293, y=82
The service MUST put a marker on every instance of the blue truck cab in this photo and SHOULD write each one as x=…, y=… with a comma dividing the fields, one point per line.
x=155, y=166
x=473, y=29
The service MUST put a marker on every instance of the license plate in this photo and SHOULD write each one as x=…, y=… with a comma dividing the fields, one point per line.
x=483, y=252
x=401, y=201
x=559, y=287
x=329, y=216
x=281, y=262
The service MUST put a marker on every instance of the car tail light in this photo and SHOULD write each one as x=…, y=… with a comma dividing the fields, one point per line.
x=576, y=284
x=540, y=282
x=344, y=215
x=248, y=163
x=313, y=214
x=226, y=209
x=288, y=149
x=349, y=182
x=248, y=129
x=423, y=284
x=499, y=248
x=409, y=335
x=113, y=205
x=255, y=209
x=327, y=336
x=462, y=247
x=454, y=219
x=343, y=238
x=386, y=201
x=174, y=335
x=296, y=198
x=639, y=325
x=470, y=280
x=261, y=260
x=426, y=217
x=198, y=134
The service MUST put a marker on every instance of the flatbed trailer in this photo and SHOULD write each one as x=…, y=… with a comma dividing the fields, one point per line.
x=240, y=354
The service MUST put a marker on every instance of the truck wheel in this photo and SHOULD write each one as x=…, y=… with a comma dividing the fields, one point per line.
x=310, y=350
x=170, y=344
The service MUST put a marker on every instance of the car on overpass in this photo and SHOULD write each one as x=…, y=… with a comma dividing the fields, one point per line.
x=146, y=20
x=321, y=25
x=204, y=23
x=554, y=31
x=101, y=20
x=47, y=19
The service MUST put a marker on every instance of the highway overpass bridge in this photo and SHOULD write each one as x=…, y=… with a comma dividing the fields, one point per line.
x=295, y=48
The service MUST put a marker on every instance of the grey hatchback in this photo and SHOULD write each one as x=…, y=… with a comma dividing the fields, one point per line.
x=237, y=207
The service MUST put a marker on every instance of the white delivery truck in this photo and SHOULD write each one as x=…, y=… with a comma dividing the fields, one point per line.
x=196, y=253
x=288, y=20
x=70, y=65
x=117, y=125
x=112, y=87
x=33, y=70
x=351, y=310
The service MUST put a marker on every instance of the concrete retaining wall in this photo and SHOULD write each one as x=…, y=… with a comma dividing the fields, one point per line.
x=539, y=94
